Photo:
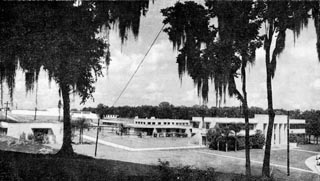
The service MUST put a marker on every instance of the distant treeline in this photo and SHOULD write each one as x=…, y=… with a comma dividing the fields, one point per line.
x=169, y=111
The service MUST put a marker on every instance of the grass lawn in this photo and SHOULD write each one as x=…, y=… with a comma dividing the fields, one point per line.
x=117, y=164
x=135, y=142
x=310, y=147
x=196, y=159
x=49, y=167
x=297, y=158
x=27, y=166
x=279, y=157
x=16, y=165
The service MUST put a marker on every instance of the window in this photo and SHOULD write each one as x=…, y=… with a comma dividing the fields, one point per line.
x=297, y=126
x=159, y=123
x=153, y=123
x=196, y=124
x=40, y=134
x=3, y=131
x=207, y=125
x=149, y=122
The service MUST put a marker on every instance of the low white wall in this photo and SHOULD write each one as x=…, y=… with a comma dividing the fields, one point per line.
x=16, y=129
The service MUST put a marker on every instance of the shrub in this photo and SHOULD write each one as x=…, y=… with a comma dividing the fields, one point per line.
x=292, y=138
x=11, y=142
x=22, y=137
x=241, y=143
x=300, y=139
x=213, y=135
x=257, y=141
x=30, y=137
x=168, y=173
x=45, y=139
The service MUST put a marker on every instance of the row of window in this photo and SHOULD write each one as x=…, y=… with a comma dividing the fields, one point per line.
x=297, y=126
x=164, y=123
x=292, y=126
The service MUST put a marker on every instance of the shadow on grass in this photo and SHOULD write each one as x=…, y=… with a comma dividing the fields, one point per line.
x=84, y=143
x=27, y=166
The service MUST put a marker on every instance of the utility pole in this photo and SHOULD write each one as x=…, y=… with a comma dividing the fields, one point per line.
x=1, y=84
x=35, y=113
x=7, y=106
x=95, y=151
x=288, y=145
x=35, y=109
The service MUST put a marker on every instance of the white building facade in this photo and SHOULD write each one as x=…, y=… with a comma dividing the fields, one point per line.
x=162, y=127
x=259, y=122
x=54, y=131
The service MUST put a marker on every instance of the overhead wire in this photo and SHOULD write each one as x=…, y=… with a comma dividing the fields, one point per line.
x=138, y=67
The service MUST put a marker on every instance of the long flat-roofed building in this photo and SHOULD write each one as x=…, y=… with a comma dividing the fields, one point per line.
x=44, y=127
x=161, y=127
x=259, y=122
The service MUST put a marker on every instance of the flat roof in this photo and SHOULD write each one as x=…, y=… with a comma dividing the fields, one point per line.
x=258, y=118
x=158, y=126
x=178, y=120
x=112, y=121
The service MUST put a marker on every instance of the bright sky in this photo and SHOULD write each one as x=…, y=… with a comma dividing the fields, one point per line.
x=295, y=86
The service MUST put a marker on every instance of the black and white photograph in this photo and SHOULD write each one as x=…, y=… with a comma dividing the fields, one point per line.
x=160, y=90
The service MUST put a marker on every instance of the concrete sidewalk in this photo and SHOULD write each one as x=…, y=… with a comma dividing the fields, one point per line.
x=312, y=164
x=140, y=149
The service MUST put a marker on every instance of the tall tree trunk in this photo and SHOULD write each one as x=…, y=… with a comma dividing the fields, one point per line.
x=246, y=117
x=36, y=108
x=1, y=94
x=267, y=153
x=80, y=135
x=309, y=138
x=66, y=149
x=316, y=16
x=235, y=144
x=226, y=146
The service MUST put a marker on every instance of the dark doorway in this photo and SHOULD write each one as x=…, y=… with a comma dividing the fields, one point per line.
x=204, y=140
x=3, y=131
x=41, y=134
